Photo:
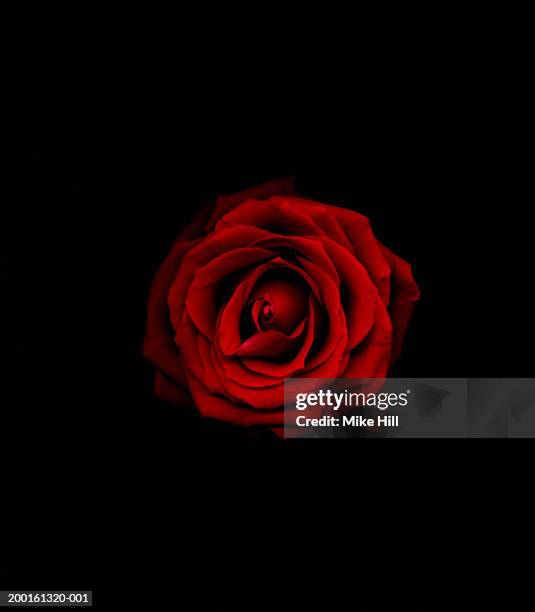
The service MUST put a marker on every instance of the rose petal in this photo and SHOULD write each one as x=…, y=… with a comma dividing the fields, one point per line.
x=259, y=391
x=323, y=217
x=275, y=215
x=331, y=367
x=330, y=298
x=159, y=345
x=168, y=391
x=294, y=366
x=311, y=248
x=360, y=237
x=359, y=291
x=404, y=295
x=218, y=407
x=201, y=299
x=196, y=357
x=272, y=343
x=367, y=248
x=228, y=334
x=371, y=358
x=204, y=252
x=226, y=203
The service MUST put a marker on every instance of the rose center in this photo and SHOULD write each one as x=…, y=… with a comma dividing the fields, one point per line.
x=281, y=302
x=267, y=311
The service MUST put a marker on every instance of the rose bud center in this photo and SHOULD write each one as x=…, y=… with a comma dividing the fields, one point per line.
x=267, y=312
x=283, y=301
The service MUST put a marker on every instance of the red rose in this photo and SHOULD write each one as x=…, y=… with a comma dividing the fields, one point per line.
x=267, y=286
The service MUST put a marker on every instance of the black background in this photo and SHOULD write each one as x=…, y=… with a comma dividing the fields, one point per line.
x=105, y=176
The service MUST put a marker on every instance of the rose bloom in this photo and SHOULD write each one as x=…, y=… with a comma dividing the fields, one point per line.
x=268, y=285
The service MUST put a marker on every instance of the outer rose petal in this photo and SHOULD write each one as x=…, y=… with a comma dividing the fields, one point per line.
x=218, y=407
x=195, y=228
x=276, y=215
x=371, y=358
x=226, y=203
x=323, y=217
x=363, y=243
x=367, y=249
x=197, y=358
x=159, y=344
x=405, y=293
x=303, y=217
x=359, y=291
x=166, y=390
